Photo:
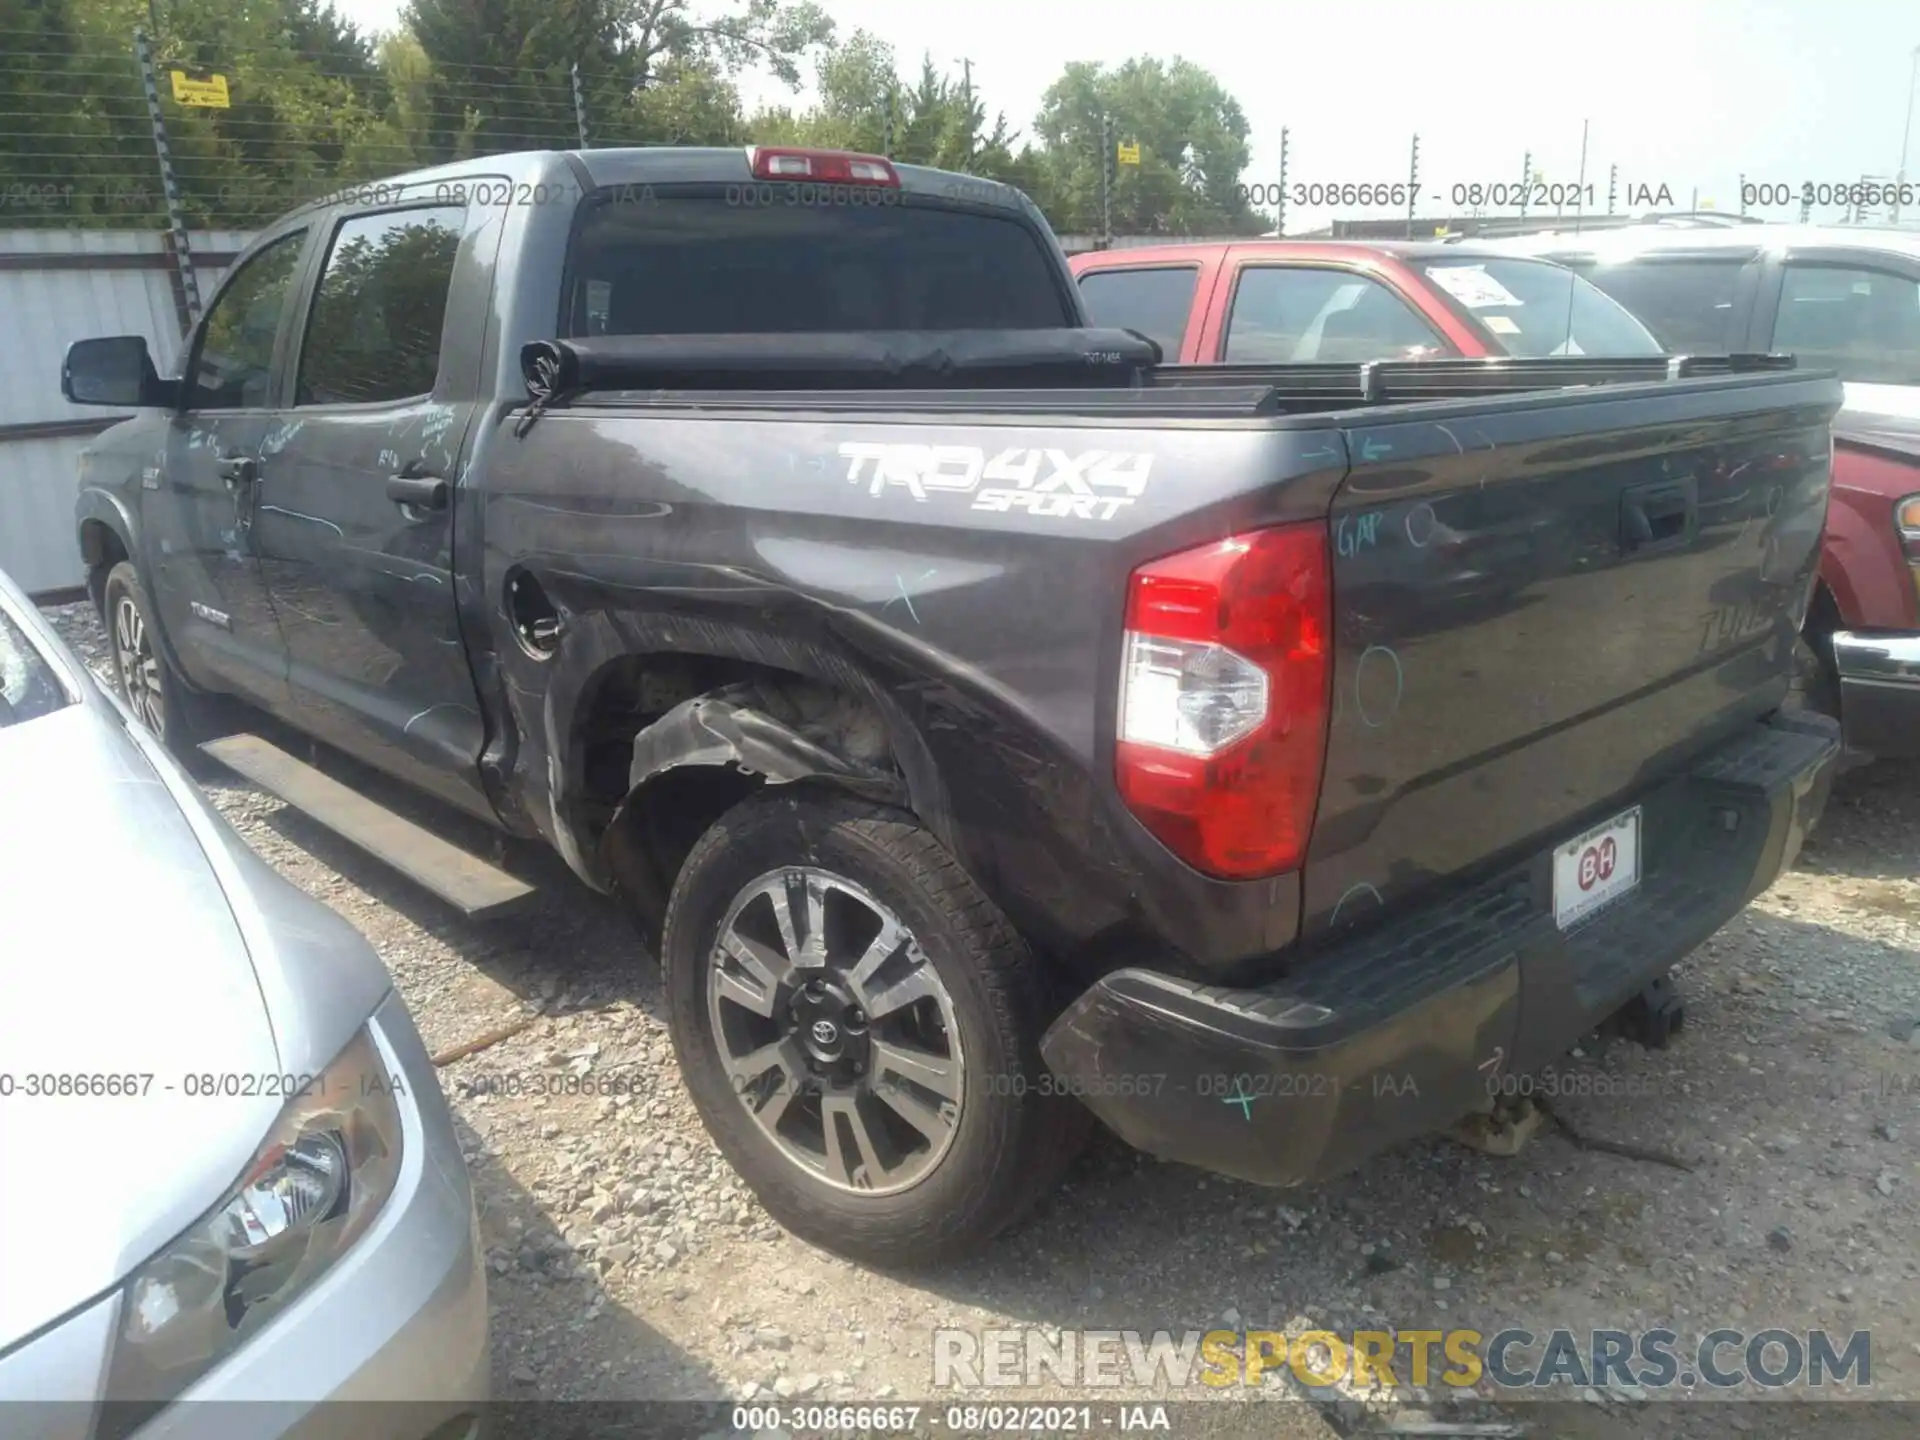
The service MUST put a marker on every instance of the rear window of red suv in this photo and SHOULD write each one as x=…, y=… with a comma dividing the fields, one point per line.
x=1533, y=308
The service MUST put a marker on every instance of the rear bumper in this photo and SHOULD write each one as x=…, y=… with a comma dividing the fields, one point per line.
x=1879, y=691
x=1403, y=1030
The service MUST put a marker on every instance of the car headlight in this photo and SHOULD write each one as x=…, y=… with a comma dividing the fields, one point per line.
x=311, y=1189
x=1906, y=517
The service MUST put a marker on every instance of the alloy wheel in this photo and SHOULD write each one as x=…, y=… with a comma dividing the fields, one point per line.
x=138, y=666
x=836, y=1031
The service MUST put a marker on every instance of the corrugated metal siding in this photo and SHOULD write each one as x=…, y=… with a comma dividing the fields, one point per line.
x=42, y=311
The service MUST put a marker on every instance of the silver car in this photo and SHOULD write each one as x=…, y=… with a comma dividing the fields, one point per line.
x=227, y=1171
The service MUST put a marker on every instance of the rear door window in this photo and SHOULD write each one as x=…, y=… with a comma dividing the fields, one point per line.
x=1688, y=304
x=698, y=264
x=1863, y=324
x=1294, y=314
x=374, y=332
x=1533, y=309
x=1155, y=301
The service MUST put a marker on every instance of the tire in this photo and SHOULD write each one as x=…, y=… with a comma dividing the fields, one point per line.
x=159, y=699
x=1011, y=1139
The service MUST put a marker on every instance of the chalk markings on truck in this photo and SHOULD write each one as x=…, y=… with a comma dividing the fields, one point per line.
x=1355, y=533
x=1352, y=890
x=900, y=584
x=1379, y=654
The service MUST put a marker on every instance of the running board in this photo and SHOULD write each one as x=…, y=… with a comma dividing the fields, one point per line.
x=463, y=880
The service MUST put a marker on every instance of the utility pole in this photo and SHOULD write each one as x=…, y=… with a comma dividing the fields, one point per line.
x=580, y=108
x=169, y=182
x=1580, y=186
x=1913, y=76
x=1280, y=211
x=1743, y=192
x=1526, y=181
x=886, y=136
x=1613, y=186
x=966, y=90
x=1108, y=163
x=1413, y=182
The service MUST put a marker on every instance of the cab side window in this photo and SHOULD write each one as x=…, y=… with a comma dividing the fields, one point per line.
x=1863, y=324
x=1295, y=314
x=1687, y=304
x=1156, y=302
x=234, y=365
x=374, y=334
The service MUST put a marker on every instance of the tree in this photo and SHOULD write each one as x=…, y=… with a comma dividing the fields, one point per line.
x=302, y=82
x=773, y=33
x=1193, y=148
x=939, y=121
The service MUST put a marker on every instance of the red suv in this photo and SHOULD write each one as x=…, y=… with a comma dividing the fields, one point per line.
x=1266, y=301
x=1848, y=302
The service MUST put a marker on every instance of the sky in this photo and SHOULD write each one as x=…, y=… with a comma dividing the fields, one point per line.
x=1685, y=93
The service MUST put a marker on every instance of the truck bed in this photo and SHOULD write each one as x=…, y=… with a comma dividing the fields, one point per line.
x=1509, y=657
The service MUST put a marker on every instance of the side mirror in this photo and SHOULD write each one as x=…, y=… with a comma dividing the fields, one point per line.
x=114, y=371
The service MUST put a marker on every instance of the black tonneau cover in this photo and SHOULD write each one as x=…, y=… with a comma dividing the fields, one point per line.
x=1114, y=371
x=866, y=360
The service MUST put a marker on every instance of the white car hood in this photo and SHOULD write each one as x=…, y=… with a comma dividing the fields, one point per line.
x=119, y=956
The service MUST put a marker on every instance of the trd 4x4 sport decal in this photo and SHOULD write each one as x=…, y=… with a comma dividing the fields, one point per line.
x=1090, y=485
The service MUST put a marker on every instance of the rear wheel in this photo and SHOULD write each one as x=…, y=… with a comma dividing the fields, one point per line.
x=160, y=701
x=859, y=1027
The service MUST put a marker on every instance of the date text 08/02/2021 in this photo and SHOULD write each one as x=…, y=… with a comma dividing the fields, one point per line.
x=971, y=1419
x=192, y=1085
x=1472, y=194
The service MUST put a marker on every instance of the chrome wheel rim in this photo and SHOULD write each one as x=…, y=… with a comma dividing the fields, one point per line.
x=138, y=666
x=836, y=1032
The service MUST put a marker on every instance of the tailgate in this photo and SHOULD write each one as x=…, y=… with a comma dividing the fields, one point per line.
x=1544, y=603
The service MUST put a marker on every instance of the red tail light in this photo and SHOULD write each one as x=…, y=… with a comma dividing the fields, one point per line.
x=1224, y=686
x=838, y=167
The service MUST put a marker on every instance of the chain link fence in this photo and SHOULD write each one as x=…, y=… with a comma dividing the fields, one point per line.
x=229, y=145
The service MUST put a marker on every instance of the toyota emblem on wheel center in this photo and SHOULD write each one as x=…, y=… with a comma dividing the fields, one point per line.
x=825, y=1032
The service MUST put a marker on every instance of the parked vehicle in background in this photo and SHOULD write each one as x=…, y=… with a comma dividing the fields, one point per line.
x=1303, y=301
x=978, y=716
x=1841, y=298
x=294, y=1225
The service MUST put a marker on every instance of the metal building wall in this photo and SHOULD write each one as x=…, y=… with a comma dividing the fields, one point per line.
x=57, y=286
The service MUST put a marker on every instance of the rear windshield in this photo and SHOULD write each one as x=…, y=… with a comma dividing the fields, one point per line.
x=1533, y=308
x=713, y=265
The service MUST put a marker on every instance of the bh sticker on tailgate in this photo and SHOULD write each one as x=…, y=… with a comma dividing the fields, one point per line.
x=1596, y=869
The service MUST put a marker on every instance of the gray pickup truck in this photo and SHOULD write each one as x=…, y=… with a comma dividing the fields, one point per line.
x=987, y=725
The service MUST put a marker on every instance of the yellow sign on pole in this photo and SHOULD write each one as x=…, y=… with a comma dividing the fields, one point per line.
x=210, y=92
x=1128, y=152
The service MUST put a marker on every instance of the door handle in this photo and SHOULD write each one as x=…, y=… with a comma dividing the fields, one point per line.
x=424, y=492
x=1655, y=516
x=239, y=470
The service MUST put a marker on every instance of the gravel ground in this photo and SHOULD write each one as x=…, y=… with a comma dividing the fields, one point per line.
x=628, y=1261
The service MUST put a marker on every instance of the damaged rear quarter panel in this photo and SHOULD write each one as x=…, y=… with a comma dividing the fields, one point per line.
x=896, y=561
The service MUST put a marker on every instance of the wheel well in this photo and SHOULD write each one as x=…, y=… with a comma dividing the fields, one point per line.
x=1823, y=613
x=101, y=548
x=1823, y=618
x=641, y=835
